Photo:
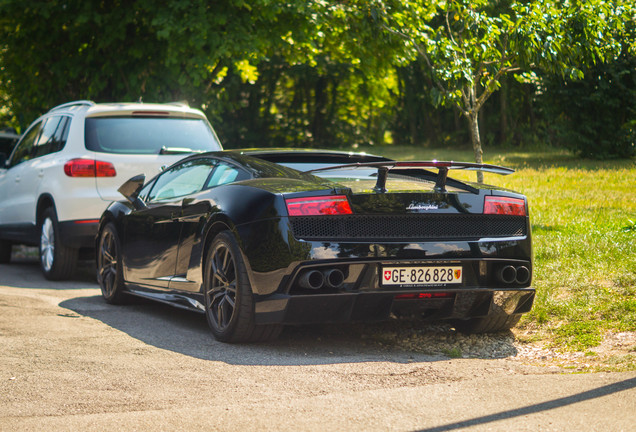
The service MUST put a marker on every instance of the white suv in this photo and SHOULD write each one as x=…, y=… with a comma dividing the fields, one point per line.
x=68, y=164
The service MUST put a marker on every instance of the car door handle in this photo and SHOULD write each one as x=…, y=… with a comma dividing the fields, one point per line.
x=17, y=179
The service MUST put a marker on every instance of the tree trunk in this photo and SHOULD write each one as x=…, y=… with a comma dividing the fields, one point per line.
x=503, y=111
x=473, y=120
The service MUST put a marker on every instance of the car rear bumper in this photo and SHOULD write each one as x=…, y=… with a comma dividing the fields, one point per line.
x=380, y=305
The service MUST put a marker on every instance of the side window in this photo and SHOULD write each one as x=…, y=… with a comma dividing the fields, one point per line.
x=24, y=149
x=181, y=180
x=225, y=173
x=53, y=137
x=143, y=193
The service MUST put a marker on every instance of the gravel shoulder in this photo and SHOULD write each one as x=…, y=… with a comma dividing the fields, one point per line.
x=71, y=361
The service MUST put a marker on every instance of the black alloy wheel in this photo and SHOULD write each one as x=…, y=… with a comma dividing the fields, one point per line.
x=109, y=270
x=229, y=304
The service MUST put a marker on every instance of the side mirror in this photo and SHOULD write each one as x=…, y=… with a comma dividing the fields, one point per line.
x=130, y=190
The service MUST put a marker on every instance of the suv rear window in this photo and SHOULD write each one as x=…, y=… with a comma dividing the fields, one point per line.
x=148, y=135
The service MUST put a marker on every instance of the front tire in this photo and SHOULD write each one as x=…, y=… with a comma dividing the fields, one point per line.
x=109, y=266
x=56, y=260
x=229, y=302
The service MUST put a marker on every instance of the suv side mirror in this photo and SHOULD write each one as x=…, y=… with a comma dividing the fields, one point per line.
x=130, y=190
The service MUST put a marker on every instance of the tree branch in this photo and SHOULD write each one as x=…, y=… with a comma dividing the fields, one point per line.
x=421, y=52
x=214, y=73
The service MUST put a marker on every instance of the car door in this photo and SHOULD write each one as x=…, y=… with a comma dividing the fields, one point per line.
x=26, y=170
x=152, y=234
x=192, y=216
x=16, y=204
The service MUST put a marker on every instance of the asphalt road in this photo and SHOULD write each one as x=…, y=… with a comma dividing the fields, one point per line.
x=69, y=361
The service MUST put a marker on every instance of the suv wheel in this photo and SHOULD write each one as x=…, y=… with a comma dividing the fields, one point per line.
x=56, y=260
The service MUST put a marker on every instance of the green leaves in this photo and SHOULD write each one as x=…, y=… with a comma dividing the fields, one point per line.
x=469, y=46
x=315, y=72
x=123, y=50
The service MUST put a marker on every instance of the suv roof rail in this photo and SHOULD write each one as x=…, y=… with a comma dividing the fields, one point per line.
x=74, y=103
x=179, y=104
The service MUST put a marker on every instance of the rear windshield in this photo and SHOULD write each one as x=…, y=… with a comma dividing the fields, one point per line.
x=149, y=135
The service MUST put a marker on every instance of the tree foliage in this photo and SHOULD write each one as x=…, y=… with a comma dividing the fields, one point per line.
x=317, y=72
x=470, y=45
x=595, y=116
x=108, y=50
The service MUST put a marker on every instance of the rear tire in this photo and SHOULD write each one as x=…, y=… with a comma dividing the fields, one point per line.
x=56, y=260
x=488, y=324
x=229, y=302
x=109, y=266
x=5, y=251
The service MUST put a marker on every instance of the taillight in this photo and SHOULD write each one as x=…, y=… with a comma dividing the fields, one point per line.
x=317, y=206
x=89, y=168
x=504, y=206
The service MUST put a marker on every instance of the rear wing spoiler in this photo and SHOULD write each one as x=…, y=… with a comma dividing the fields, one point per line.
x=442, y=170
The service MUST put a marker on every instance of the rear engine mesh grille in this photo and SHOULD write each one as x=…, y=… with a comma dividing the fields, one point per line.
x=406, y=227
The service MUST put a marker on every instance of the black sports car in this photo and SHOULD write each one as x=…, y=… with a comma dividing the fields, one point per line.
x=260, y=238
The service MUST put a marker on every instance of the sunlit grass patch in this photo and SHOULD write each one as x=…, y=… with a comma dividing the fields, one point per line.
x=622, y=363
x=579, y=335
x=585, y=258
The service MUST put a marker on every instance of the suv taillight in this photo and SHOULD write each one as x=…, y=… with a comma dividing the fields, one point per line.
x=318, y=206
x=504, y=206
x=89, y=168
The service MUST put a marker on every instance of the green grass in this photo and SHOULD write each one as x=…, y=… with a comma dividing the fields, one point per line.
x=583, y=215
x=455, y=352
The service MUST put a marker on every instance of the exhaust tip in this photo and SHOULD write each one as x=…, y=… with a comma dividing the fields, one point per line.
x=523, y=274
x=312, y=279
x=507, y=274
x=334, y=278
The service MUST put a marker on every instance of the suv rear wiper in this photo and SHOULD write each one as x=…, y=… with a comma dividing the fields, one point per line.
x=178, y=150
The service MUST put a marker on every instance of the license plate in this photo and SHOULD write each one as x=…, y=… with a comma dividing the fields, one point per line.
x=421, y=276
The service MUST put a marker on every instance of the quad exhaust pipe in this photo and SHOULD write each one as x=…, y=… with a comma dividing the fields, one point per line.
x=334, y=278
x=316, y=279
x=509, y=274
x=313, y=279
x=523, y=275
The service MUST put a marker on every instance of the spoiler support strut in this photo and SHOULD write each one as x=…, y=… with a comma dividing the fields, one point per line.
x=380, y=184
x=440, y=183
